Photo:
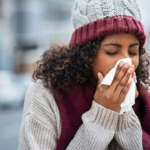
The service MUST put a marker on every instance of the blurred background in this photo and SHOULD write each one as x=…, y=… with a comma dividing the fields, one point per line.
x=27, y=29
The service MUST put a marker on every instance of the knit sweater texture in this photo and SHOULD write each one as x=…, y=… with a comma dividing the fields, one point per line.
x=101, y=128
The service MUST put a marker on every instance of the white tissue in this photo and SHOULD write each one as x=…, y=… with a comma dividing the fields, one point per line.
x=129, y=100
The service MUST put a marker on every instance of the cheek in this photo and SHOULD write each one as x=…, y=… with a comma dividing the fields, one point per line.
x=103, y=65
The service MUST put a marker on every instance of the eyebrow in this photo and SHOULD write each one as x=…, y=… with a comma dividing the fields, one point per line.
x=118, y=45
x=111, y=44
x=134, y=44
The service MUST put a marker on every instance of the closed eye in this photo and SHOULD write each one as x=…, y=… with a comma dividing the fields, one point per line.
x=114, y=53
x=134, y=54
x=111, y=53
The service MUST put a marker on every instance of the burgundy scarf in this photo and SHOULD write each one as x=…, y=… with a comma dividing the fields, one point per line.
x=73, y=104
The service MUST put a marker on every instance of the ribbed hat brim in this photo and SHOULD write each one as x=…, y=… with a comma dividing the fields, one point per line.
x=108, y=26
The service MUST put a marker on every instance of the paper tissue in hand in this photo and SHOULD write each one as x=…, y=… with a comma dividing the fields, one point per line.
x=129, y=100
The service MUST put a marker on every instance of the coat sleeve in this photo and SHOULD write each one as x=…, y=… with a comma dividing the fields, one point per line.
x=129, y=132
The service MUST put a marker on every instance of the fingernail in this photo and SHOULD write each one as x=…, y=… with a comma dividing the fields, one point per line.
x=132, y=66
x=129, y=81
x=126, y=65
x=130, y=70
x=134, y=79
x=121, y=64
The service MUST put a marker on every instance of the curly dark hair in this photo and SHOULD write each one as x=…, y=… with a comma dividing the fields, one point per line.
x=65, y=65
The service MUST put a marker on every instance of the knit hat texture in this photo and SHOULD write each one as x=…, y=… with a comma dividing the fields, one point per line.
x=94, y=18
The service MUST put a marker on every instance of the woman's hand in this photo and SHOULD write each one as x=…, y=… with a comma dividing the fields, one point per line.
x=134, y=79
x=112, y=96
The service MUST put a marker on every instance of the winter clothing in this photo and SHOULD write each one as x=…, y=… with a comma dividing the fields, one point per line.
x=79, y=122
x=95, y=18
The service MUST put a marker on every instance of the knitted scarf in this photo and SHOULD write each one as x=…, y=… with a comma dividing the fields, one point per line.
x=73, y=104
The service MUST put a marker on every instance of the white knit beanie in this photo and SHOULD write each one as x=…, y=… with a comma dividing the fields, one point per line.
x=108, y=12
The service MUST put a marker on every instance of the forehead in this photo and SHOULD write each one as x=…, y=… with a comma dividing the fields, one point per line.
x=122, y=39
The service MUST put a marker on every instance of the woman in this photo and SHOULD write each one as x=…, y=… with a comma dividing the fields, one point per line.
x=66, y=108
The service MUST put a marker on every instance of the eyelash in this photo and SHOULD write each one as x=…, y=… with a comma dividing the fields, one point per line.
x=133, y=54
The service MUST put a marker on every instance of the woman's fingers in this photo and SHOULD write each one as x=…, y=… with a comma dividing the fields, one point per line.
x=134, y=78
x=125, y=90
x=119, y=77
x=123, y=82
x=100, y=79
x=136, y=92
x=121, y=64
x=132, y=66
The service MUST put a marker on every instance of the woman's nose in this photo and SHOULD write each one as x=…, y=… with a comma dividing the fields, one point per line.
x=125, y=55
